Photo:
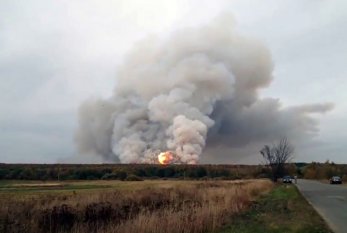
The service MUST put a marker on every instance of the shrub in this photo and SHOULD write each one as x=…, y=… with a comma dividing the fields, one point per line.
x=109, y=176
x=122, y=175
x=133, y=178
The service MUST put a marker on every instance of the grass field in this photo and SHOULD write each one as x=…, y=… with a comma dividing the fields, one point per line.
x=29, y=188
x=32, y=187
x=156, y=206
x=118, y=206
x=283, y=210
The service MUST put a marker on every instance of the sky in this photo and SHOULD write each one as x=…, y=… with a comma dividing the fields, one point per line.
x=56, y=54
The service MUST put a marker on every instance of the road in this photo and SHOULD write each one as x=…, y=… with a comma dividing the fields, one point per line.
x=329, y=200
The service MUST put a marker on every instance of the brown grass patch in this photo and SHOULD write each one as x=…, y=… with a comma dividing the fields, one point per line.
x=202, y=206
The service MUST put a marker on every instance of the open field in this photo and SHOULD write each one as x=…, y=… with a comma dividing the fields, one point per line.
x=240, y=206
x=120, y=206
x=13, y=187
x=66, y=187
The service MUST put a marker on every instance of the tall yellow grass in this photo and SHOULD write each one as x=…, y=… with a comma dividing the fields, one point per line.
x=203, y=206
x=214, y=204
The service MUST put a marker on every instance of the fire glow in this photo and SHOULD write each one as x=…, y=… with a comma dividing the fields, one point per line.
x=165, y=157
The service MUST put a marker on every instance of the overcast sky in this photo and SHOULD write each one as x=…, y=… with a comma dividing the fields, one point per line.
x=55, y=54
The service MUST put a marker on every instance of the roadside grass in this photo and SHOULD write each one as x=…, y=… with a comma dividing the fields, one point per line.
x=283, y=210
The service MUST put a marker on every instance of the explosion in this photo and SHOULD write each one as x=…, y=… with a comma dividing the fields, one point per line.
x=165, y=157
x=195, y=92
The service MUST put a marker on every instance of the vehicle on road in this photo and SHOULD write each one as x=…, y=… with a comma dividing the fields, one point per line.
x=335, y=180
x=287, y=179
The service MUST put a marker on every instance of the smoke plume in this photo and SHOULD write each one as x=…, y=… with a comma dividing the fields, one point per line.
x=196, y=90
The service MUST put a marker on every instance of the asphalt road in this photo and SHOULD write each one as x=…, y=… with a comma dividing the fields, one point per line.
x=329, y=200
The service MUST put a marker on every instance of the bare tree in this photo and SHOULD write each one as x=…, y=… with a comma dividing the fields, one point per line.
x=276, y=156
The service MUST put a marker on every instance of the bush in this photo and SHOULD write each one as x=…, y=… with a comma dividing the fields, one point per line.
x=133, y=178
x=205, y=178
x=109, y=176
x=122, y=175
x=222, y=178
x=263, y=176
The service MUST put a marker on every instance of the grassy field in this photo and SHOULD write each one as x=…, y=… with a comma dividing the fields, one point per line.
x=117, y=206
x=37, y=187
x=283, y=210
x=156, y=206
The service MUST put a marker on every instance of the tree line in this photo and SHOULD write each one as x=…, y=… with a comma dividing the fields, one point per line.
x=312, y=170
x=129, y=171
x=321, y=171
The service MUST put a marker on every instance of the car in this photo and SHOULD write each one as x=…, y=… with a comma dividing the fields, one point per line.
x=335, y=180
x=287, y=179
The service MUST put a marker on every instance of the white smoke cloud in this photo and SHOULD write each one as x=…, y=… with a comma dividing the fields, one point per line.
x=187, y=138
x=197, y=88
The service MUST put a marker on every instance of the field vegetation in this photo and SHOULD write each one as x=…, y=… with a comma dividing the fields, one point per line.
x=284, y=209
x=153, y=198
x=138, y=206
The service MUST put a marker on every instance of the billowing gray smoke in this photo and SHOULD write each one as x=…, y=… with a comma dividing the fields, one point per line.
x=196, y=89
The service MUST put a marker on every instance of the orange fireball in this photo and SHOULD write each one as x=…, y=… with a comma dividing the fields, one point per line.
x=165, y=157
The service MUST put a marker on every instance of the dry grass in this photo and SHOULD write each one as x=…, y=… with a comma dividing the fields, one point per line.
x=202, y=206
